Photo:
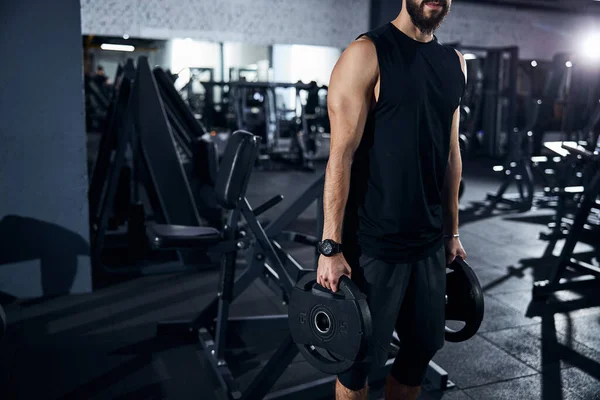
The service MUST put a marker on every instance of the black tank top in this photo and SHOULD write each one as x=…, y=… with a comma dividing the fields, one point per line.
x=394, y=208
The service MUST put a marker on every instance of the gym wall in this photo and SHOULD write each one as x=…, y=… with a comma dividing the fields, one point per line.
x=313, y=22
x=539, y=34
x=44, y=240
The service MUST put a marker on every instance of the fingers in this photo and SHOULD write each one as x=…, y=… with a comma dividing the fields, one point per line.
x=462, y=254
x=323, y=280
x=330, y=282
x=334, y=285
x=450, y=256
x=329, y=273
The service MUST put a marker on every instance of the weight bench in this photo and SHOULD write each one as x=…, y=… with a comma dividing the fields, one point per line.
x=266, y=260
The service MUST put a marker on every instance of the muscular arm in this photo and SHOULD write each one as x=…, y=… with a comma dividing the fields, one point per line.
x=351, y=92
x=453, y=172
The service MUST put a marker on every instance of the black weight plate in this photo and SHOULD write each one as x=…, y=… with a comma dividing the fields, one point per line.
x=330, y=329
x=464, y=301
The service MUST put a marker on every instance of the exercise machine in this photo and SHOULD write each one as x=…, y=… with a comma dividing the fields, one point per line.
x=258, y=107
x=491, y=98
x=213, y=327
x=141, y=141
x=196, y=150
x=558, y=279
x=517, y=168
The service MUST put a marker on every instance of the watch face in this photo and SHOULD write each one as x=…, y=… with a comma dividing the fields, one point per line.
x=327, y=248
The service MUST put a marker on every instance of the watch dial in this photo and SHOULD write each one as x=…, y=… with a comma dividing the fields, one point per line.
x=327, y=248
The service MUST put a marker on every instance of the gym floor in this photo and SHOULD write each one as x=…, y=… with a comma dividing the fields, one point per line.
x=103, y=345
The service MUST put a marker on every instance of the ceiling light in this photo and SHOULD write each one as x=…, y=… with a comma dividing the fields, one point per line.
x=117, y=47
x=589, y=47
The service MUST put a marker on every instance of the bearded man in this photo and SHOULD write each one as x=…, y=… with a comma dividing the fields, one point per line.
x=391, y=189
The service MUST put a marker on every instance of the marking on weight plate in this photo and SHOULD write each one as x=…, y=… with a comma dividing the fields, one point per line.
x=302, y=318
x=343, y=327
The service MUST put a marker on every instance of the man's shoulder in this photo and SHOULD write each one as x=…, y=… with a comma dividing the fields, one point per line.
x=375, y=34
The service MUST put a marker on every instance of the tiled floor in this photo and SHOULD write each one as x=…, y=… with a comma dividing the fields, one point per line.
x=103, y=345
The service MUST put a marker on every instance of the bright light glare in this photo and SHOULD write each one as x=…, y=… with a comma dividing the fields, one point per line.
x=589, y=47
x=469, y=56
x=568, y=64
x=534, y=63
x=117, y=47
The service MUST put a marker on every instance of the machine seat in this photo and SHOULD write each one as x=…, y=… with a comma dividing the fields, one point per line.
x=182, y=237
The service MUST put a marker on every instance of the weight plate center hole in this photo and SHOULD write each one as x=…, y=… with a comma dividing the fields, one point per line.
x=322, y=322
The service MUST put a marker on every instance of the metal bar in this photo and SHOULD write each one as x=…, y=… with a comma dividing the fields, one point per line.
x=267, y=205
x=585, y=267
x=437, y=377
x=545, y=288
x=267, y=247
x=221, y=331
x=226, y=287
x=260, y=85
x=220, y=367
x=585, y=207
x=296, y=208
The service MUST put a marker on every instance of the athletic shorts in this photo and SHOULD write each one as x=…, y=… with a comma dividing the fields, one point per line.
x=408, y=298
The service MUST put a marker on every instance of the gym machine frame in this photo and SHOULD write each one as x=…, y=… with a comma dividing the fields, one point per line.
x=564, y=195
x=517, y=168
x=272, y=134
x=556, y=282
x=268, y=261
x=139, y=120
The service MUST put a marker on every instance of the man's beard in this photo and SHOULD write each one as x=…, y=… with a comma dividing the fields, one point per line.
x=425, y=24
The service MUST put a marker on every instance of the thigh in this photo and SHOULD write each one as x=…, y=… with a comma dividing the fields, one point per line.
x=421, y=320
x=384, y=284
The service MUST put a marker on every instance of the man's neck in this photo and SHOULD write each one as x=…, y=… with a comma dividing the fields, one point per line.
x=405, y=24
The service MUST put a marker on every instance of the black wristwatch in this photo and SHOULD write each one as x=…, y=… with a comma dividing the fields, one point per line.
x=329, y=248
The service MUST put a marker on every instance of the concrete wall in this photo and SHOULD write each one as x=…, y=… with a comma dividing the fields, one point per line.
x=239, y=55
x=539, y=34
x=263, y=22
x=304, y=63
x=44, y=243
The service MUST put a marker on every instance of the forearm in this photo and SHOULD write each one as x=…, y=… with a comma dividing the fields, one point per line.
x=349, y=100
x=450, y=193
x=335, y=195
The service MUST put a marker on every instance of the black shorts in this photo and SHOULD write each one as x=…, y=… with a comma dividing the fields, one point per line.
x=410, y=299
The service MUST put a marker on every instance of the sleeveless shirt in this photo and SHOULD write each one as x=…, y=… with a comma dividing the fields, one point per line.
x=394, y=208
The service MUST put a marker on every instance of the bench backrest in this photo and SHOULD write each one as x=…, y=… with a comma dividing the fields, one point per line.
x=235, y=168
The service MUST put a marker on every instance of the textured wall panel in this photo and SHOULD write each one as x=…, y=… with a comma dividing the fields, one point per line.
x=539, y=34
x=316, y=22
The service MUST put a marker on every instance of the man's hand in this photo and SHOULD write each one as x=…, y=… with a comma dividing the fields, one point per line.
x=330, y=271
x=454, y=249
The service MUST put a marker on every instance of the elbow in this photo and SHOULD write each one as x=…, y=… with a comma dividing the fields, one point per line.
x=340, y=160
x=455, y=159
